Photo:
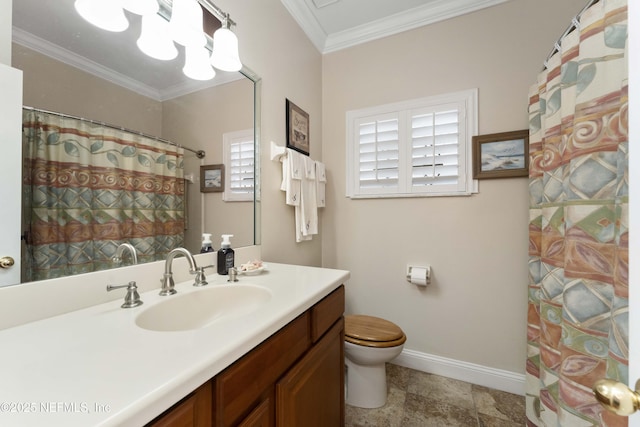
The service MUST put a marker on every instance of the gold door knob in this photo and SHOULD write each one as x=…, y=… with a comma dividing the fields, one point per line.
x=617, y=397
x=6, y=262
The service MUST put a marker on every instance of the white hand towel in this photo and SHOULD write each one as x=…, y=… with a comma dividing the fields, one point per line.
x=309, y=200
x=321, y=181
x=292, y=172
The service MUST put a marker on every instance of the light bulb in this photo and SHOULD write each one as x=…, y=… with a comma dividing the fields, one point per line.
x=155, y=40
x=225, y=55
x=196, y=64
x=105, y=14
x=186, y=23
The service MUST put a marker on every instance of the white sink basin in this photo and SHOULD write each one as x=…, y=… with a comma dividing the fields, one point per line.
x=194, y=310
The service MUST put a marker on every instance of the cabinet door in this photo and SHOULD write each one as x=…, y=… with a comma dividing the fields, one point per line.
x=260, y=416
x=193, y=411
x=311, y=394
x=251, y=379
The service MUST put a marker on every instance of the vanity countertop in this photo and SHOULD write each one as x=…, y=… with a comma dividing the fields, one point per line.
x=95, y=366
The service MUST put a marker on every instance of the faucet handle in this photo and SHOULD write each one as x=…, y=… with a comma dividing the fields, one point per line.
x=132, y=298
x=201, y=279
x=233, y=275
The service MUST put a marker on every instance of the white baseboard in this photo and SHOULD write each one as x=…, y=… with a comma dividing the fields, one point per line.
x=469, y=372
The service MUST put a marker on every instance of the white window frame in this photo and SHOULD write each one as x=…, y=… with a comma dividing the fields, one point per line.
x=466, y=102
x=228, y=140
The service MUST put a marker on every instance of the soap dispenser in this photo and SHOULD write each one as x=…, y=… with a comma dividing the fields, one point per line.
x=226, y=256
x=206, y=243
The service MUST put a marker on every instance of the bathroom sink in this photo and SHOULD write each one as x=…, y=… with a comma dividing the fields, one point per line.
x=197, y=309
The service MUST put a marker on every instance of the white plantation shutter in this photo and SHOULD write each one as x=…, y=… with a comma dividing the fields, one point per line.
x=415, y=148
x=379, y=153
x=239, y=165
x=436, y=149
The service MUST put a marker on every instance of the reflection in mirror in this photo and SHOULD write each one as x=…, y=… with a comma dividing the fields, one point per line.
x=195, y=116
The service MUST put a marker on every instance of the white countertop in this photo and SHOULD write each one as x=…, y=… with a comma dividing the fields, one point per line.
x=95, y=366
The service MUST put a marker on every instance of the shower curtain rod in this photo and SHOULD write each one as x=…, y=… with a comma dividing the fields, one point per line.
x=199, y=153
x=575, y=23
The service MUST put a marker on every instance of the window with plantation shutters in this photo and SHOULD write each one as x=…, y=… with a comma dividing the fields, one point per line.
x=239, y=166
x=414, y=148
x=378, y=152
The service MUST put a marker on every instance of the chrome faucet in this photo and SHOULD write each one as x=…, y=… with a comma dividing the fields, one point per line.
x=168, y=285
x=132, y=299
x=117, y=258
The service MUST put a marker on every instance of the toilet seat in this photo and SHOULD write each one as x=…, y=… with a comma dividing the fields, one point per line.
x=370, y=331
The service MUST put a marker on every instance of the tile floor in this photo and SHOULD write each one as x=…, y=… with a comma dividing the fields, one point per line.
x=418, y=399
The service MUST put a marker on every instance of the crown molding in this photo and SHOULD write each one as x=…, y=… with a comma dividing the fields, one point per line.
x=58, y=53
x=307, y=21
x=191, y=86
x=430, y=13
x=65, y=56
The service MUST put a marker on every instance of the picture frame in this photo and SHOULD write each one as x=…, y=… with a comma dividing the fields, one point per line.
x=501, y=155
x=297, y=128
x=212, y=178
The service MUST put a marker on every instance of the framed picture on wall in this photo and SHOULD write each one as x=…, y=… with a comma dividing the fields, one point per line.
x=297, y=128
x=501, y=155
x=212, y=178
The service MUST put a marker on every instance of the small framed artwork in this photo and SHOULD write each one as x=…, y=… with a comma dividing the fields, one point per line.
x=501, y=155
x=297, y=128
x=212, y=178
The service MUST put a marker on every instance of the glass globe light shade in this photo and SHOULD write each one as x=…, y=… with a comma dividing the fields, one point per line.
x=196, y=64
x=186, y=23
x=155, y=40
x=105, y=14
x=225, y=55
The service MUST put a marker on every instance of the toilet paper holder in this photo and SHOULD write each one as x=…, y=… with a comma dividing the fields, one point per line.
x=427, y=274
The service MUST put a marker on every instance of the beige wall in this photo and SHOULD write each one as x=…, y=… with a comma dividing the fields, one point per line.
x=475, y=309
x=198, y=121
x=274, y=46
x=55, y=86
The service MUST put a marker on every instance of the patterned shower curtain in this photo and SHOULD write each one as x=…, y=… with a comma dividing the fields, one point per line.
x=88, y=188
x=578, y=232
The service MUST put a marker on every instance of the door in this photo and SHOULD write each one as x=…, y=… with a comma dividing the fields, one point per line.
x=10, y=161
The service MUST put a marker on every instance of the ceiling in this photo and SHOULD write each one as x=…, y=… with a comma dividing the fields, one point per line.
x=46, y=26
x=337, y=24
x=52, y=28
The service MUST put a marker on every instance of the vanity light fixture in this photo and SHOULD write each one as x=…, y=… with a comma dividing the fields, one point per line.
x=105, y=14
x=196, y=64
x=186, y=23
x=167, y=21
x=225, y=48
x=155, y=40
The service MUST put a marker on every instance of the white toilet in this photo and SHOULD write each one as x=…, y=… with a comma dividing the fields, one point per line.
x=370, y=342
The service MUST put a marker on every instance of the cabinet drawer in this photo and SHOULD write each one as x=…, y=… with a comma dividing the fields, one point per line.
x=326, y=312
x=243, y=384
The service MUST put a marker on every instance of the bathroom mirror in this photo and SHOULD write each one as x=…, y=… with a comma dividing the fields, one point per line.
x=74, y=68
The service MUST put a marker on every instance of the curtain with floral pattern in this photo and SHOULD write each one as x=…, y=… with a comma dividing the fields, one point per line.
x=88, y=188
x=578, y=231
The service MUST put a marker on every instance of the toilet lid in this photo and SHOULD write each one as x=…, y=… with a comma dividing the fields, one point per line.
x=372, y=331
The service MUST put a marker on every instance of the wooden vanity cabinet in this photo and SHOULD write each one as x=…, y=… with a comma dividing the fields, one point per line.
x=308, y=395
x=195, y=410
x=294, y=378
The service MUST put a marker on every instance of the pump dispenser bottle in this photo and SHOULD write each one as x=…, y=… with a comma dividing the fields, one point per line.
x=206, y=243
x=226, y=256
